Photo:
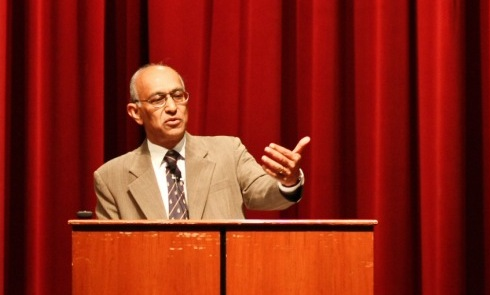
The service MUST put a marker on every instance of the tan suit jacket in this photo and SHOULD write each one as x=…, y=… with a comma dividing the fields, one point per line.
x=221, y=177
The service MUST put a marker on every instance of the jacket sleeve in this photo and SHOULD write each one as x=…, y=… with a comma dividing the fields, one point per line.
x=260, y=191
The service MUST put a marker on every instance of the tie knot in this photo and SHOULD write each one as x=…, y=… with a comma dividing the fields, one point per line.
x=171, y=159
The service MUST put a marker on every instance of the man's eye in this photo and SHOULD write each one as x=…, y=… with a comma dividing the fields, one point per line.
x=178, y=94
x=158, y=99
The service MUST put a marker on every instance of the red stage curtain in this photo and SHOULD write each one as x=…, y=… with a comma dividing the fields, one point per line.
x=3, y=138
x=394, y=93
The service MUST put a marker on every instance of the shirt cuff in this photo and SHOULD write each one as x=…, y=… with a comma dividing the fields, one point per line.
x=292, y=189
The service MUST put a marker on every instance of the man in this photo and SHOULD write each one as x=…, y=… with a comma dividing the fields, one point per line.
x=201, y=177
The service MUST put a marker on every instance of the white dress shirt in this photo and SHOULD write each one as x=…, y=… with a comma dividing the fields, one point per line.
x=159, y=166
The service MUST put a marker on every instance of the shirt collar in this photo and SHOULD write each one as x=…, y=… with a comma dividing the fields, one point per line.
x=158, y=152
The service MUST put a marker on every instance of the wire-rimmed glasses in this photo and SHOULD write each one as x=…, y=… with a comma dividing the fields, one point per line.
x=159, y=100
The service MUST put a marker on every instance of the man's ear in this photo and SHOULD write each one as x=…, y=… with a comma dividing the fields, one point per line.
x=134, y=112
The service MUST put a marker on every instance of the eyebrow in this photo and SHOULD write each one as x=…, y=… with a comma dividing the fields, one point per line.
x=160, y=92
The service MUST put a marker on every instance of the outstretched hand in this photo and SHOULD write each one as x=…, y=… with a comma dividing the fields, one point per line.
x=282, y=163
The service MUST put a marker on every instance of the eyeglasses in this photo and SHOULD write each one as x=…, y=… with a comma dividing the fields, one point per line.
x=159, y=100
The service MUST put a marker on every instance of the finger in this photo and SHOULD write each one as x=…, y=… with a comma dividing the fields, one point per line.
x=286, y=158
x=281, y=154
x=302, y=144
x=275, y=174
x=273, y=164
x=279, y=149
x=278, y=175
x=298, y=149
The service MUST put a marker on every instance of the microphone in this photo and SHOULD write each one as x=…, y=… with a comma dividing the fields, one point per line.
x=84, y=214
x=175, y=171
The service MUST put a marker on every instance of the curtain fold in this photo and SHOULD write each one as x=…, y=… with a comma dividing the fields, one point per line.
x=125, y=44
x=3, y=133
x=394, y=94
x=441, y=70
x=485, y=133
x=385, y=141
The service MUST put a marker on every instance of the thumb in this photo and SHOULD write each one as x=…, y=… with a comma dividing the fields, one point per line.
x=302, y=144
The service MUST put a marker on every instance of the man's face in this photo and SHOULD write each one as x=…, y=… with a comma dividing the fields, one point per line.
x=166, y=125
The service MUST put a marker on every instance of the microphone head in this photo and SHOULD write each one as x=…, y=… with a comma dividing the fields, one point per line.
x=177, y=173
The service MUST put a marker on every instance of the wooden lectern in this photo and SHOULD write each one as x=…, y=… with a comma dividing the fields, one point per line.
x=222, y=257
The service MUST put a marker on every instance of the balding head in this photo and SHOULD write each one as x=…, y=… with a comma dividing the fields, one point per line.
x=133, y=89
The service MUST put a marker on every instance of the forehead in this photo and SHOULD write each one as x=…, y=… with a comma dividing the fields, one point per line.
x=158, y=79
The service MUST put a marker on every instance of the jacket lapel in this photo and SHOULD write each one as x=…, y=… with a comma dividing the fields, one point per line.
x=144, y=188
x=199, y=171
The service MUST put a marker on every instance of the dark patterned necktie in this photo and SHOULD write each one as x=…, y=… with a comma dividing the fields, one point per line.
x=177, y=207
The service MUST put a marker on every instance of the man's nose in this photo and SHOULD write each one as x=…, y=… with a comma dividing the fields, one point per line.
x=170, y=105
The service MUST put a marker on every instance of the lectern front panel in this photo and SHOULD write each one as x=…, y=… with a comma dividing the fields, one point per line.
x=146, y=262
x=299, y=262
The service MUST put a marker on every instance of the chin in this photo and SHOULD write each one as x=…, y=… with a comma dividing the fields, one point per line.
x=176, y=133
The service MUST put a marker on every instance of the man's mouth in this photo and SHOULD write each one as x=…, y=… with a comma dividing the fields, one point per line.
x=173, y=122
